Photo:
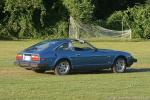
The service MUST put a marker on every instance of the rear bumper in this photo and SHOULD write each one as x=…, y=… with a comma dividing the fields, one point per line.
x=31, y=65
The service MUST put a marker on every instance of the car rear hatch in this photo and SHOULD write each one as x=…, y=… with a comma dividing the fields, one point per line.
x=26, y=59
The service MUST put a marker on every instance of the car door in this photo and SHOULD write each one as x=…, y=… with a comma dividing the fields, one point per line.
x=91, y=59
x=101, y=59
x=84, y=56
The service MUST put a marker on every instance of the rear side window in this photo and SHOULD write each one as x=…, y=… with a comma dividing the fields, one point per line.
x=64, y=46
x=43, y=45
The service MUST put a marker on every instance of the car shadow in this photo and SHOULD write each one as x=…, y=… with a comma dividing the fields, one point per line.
x=130, y=70
x=137, y=70
x=83, y=72
x=92, y=72
x=49, y=72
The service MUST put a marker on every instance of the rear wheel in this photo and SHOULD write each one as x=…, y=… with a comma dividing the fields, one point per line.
x=119, y=65
x=63, y=67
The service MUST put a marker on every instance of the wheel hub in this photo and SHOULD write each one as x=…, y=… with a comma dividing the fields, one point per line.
x=120, y=65
x=63, y=67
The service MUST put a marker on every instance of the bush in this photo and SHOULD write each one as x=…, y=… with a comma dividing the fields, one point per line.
x=80, y=9
x=138, y=18
x=115, y=21
x=34, y=19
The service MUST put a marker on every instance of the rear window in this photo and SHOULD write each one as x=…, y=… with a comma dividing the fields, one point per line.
x=42, y=45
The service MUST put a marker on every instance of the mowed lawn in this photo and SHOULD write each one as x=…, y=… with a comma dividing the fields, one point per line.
x=20, y=84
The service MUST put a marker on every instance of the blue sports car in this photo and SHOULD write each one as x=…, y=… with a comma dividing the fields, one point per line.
x=65, y=55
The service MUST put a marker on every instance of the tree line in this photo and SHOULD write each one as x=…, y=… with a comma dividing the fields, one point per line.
x=50, y=18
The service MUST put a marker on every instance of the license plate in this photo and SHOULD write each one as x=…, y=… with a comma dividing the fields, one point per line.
x=24, y=64
x=27, y=58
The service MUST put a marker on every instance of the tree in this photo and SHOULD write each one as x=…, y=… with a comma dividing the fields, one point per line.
x=35, y=18
x=80, y=9
x=1, y=10
x=104, y=8
x=21, y=12
x=138, y=18
x=42, y=18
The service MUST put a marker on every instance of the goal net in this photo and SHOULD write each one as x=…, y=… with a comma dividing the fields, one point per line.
x=87, y=31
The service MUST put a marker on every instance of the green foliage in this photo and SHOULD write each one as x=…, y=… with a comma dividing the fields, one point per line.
x=104, y=8
x=61, y=28
x=80, y=9
x=148, y=2
x=138, y=18
x=44, y=18
x=50, y=18
x=34, y=18
x=20, y=21
x=115, y=20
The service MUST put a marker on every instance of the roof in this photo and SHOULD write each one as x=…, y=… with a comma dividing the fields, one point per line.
x=66, y=40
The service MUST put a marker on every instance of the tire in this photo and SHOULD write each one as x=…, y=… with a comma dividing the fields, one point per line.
x=119, y=65
x=63, y=67
x=39, y=70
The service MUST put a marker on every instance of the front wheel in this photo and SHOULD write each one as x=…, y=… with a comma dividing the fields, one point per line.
x=119, y=65
x=63, y=67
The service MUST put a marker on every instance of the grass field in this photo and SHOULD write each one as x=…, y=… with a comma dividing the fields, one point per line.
x=20, y=84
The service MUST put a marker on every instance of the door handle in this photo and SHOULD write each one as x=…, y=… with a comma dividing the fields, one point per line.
x=77, y=54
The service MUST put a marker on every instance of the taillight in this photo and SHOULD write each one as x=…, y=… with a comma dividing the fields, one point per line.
x=35, y=57
x=19, y=57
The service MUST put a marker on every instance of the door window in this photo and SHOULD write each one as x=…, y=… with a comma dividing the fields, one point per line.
x=81, y=46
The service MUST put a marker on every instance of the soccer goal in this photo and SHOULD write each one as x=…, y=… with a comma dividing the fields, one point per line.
x=89, y=31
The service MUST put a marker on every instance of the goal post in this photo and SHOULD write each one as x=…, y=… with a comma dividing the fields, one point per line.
x=80, y=30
